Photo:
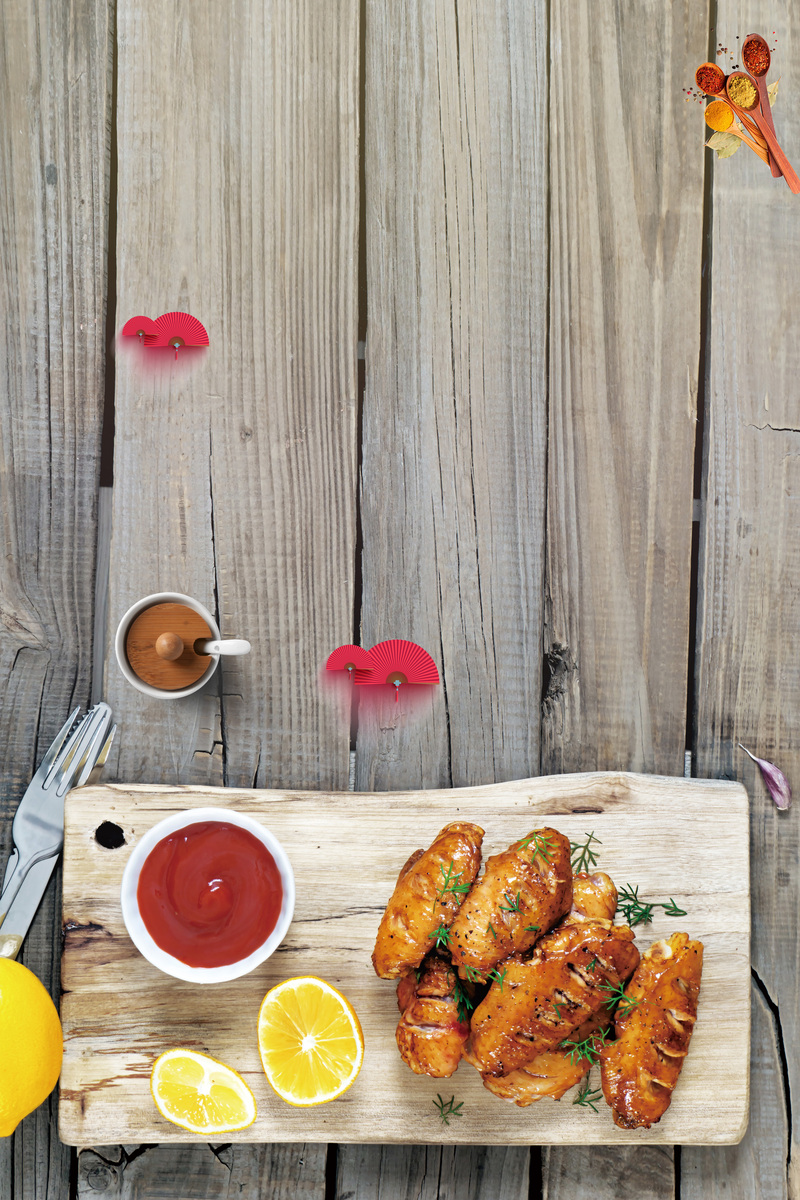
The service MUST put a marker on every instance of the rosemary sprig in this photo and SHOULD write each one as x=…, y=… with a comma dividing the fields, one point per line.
x=587, y=1098
x=513, y=905
x=499, y=976
x=640, y=912
x=558, y=1008
x=618, y=996
x=441, y=936
x=491, y=929
x=588, y=1048
x=532, y=928
x=473, y=974
x=464, y=1001
x=593, y=963
x=542, y=845
x=635, y=911
x=582, y=856
x=451, y=883
x=448, y=1108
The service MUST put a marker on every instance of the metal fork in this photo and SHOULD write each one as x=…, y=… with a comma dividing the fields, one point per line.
x=38, y=826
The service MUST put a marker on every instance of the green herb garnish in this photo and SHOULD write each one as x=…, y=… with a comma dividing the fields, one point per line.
x=588, y=1049
x=617, y=996
x=513, y=905
x=587, y=1098
x=441, y=936
x=464, y=1001
x=448, y=1108
x=451, y=884
x=498, y=976
x=640, y=912
x=542, y=845
x=582, y=856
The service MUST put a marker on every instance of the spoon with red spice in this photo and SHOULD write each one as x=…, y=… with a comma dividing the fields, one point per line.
x=710, y=79
x=757, y=59
x=732, y=88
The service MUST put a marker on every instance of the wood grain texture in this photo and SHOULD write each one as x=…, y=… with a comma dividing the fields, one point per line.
x=625, y=250
x=432, y=1173
x=756, y=1168
x=119, y=1013
x=54, y=158
x=454, y=408
x=289, y=1172
x=626, y=221
x=749, y=607
x=632, y=1173
x=235, y=467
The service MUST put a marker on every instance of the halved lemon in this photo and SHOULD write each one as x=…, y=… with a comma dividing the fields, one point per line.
x=200, y=1094
x=310, y=1039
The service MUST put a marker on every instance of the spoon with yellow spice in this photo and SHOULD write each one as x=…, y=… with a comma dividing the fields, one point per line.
x=742, y=96
x=719, y=117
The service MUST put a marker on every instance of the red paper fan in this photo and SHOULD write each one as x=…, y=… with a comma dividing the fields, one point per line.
x=399, y=662
x=178, y=329
x=142, y=327
x=348, y=658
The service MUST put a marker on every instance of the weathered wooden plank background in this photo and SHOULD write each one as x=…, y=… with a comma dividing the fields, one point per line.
x=539, y=340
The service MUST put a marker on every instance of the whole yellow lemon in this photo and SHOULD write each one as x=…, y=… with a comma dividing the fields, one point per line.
x=31, y=1044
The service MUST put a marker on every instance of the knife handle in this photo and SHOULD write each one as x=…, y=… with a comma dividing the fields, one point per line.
x=9, y=945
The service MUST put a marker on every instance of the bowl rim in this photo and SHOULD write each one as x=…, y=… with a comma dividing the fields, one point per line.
x=137, y=930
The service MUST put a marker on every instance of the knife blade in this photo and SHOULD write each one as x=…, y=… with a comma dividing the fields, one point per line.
x=25, y=904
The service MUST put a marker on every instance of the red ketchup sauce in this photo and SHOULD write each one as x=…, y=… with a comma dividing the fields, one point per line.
x=210, y=894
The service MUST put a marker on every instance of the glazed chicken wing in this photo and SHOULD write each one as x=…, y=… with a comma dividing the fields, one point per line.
x=554, y=1072
x=640, y=1069
x=523, y=892
x=594, y=897
x=536, y=1005
x=551, y=1073
x=428, y=894
x=430, y=1035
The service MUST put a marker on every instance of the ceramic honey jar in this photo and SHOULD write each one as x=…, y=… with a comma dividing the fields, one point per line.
x=168, y=645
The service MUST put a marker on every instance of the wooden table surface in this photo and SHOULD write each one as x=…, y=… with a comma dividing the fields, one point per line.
x=501, y=362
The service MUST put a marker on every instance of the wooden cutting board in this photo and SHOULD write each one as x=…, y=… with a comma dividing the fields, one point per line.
x=682, y=838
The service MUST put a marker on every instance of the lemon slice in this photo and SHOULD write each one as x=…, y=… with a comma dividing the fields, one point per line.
x=200, y=1094
x=310, y=1039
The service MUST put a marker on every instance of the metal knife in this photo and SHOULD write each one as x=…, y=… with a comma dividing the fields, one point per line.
x=23, y=907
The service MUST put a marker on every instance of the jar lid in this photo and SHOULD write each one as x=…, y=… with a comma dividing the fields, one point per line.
x=160, y=646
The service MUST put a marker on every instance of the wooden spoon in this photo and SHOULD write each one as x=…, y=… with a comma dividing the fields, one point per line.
x=760, y=80
x=789, y=173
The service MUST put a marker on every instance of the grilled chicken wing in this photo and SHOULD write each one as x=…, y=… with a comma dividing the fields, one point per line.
x=549, y=1074
x=522, y=893
x=640, y=1069
x=554, y=1072
x=430, y=1035
x=429, y=892
x=537, y=1004
x=594, y=897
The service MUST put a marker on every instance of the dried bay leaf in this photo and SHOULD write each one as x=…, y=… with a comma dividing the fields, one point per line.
x=725, y=144
x=772, y=91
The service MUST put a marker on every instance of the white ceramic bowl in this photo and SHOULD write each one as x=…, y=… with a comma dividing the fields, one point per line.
x=138, y=930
